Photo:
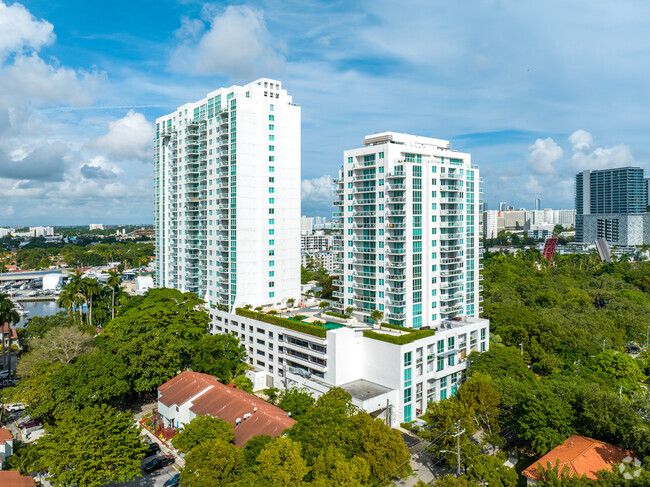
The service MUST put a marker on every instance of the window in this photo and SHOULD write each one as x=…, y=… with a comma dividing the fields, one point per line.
x=271, y=263
x=271, y=148
x=271, y=242
x=271, y=200
x=440, y=364
x=271, y=137
x=450, y=343
x=441, y=346
x=443, y=394
x=450, y=360
x=271, y=169
x=407, y=377
x=482, y=333
x=407, y=413
x=271, y=118
x=407, y=394
x=408, y=359
x=271, y=190
x=271, y=127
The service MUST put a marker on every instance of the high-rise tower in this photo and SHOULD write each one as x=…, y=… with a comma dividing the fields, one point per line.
x=409, y=219
x=227, y=196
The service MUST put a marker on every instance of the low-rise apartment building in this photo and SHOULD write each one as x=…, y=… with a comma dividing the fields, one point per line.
x=390, y=371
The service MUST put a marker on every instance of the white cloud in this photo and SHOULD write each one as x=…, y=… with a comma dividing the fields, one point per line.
x=603, y=158
x=237, y=44
x=100, y=168
x=9, y=210
x=30, y=78
x=542, y=154
x=127, y=138
x=317, y=190
x=19, y=30
x=581, y=140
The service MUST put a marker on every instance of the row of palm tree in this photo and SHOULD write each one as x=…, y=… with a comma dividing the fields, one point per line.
x=100, y=301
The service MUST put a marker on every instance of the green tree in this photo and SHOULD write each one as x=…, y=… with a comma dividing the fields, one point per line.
x=213, y=463
x=281, y=464
x=479, y=395
x=545, y=420
x=62, y=344
x=243, y=383
x=349, y=310
x=331, y=469
x=382, y=448
x=490, y=470
x=92, y=447
x=323, y=305
x=201, y=429
x=95, y=377
x=296, y=401
x=8, y=316
x=157, y=336
x=325, y=424
x=443, y=419
x=376, y=316
x=253, y=447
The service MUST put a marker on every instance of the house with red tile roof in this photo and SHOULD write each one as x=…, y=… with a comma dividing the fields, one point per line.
x=6, y=446
x=192, y=394
x=12, y=478
x=580, y=456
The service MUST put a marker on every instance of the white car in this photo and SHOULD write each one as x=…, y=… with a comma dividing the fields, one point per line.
x=12, y=408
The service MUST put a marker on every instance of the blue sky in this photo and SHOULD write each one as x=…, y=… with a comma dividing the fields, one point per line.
x=536, y=91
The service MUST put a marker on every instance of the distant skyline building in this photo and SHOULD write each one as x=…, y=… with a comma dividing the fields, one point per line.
x=227, y=196
x=610, y=204
x=408, y=240
x=538, y=204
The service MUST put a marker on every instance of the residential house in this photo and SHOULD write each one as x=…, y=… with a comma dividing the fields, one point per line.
x=191, y=394
x=580, y=456
x=12, y=478
x=6, y=446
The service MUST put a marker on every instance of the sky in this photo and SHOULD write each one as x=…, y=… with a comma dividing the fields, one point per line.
x=535, y=91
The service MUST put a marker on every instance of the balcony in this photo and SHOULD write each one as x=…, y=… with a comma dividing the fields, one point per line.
x=359, y=202
x=395, y=265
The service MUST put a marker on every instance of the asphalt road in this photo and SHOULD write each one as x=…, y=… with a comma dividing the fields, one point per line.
x=154, y=479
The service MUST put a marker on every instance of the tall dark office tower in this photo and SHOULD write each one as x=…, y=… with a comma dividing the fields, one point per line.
x=606, y=202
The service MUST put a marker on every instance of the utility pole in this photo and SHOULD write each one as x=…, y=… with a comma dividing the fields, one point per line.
x=521, y=346
x=457, y=435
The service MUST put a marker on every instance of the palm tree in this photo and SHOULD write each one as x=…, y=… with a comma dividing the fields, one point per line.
x=90, y=288
x=349, y=310
x=113, y=282
x=8, y=316
x=67, y=299
x=376, y=317
x=323, y=304
x=290, y=302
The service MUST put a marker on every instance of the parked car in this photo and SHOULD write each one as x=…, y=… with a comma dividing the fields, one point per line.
x=174, y=481
x=31, y=423
x=158, y=463
x=152, y=449
x=8, y=382
x=12, y=408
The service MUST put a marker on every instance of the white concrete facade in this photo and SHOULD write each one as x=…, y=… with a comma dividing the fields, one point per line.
x=227, y=196
x=404, y=376
x=409, y=225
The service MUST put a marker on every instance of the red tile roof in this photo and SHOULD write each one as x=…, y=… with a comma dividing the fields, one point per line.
x=13, y=334
x=12, y=478
x=226, y=403
x=5, y=434
x=582, y=456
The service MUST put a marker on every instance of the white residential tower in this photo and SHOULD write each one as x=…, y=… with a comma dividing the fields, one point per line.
x=227, y=196
x=409, y=231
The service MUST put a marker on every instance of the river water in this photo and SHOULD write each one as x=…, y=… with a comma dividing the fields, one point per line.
x=38, y=308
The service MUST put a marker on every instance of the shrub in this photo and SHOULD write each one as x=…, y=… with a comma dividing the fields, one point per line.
x=338, y=315
x=283, y=322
